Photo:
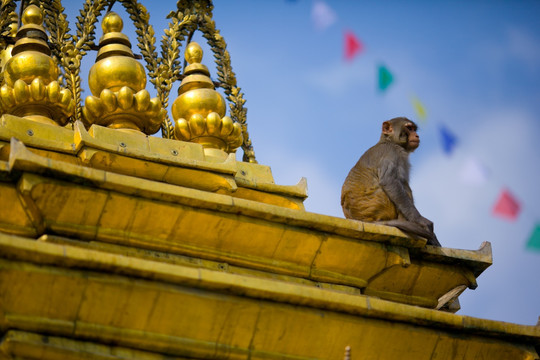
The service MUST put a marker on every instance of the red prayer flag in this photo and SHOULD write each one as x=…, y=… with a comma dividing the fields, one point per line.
x=352, y=45
x=507, y=206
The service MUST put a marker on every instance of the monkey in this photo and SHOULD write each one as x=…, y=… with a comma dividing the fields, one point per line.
x=377, y=187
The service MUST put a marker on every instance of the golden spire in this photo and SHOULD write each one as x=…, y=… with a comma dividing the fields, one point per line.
x=30, y=85
x=199, y=110
x=117, y=82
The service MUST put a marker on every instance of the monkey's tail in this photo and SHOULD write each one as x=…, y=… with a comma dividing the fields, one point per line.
x=414, y=229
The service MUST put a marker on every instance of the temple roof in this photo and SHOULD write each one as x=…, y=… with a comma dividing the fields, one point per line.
x=116, y=241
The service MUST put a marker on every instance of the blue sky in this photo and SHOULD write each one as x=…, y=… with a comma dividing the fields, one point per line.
x=475, y=66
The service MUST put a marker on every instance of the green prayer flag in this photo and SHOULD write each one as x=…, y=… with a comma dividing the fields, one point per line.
x=534, y=240
x=385, y=77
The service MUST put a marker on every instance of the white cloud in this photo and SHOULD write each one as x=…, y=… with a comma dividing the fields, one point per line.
x=517, y=47
x=474, y=172
x=338, y=78
x=322, y=15
x=523, y=47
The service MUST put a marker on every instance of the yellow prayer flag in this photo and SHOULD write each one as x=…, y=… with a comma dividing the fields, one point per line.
x=419, y=108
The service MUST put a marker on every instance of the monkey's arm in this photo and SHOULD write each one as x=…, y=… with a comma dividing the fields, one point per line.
x=393, y=180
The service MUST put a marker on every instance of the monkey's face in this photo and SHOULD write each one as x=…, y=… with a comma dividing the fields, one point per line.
x=401, y=131
x=413, y=140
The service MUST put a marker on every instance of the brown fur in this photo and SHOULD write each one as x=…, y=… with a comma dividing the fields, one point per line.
x=362, y=185
x=377, y=187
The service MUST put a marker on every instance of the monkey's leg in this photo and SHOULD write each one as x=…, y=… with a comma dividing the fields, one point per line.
x=368, y=204
x=415, y=229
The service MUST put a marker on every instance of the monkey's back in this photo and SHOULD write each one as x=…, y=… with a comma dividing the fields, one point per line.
x=362, y=198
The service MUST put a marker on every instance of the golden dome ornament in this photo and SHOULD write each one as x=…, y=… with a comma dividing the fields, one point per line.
x=117, y=81
x=199, y=110
x=31, y=89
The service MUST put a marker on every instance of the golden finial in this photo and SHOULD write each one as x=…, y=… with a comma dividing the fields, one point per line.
x=32, y=15
x=193, y=53
x=31, y=89
x=117, y=82
x=112, y=22
x=199, y=110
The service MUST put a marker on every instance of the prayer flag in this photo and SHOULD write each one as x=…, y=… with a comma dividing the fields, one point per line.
x=322, y=15
x=507, y=206
x=473, y=172
x=449, y=140
x=419, y=108
x=534, y=240
x=385, y=78
x=352, y=45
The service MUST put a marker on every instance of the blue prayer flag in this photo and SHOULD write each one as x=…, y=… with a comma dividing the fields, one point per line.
x=449, y=140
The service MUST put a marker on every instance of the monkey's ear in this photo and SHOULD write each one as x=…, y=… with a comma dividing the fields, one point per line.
x=387, y=128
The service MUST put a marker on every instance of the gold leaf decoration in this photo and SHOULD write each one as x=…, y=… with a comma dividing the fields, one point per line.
x=74, y=50
x=55, y=21
x=8, y=17
x=227, y=80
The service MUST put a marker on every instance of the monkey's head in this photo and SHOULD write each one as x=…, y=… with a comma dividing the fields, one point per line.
x=401, y=131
